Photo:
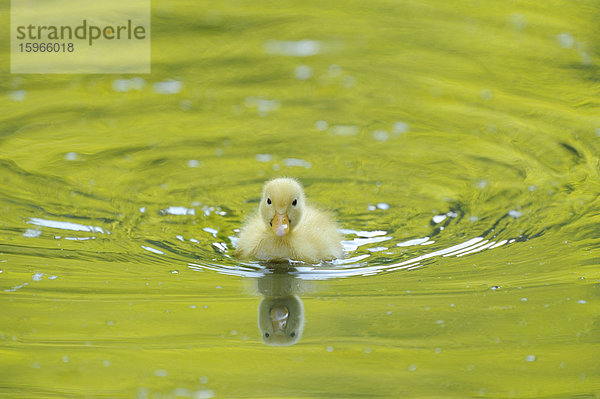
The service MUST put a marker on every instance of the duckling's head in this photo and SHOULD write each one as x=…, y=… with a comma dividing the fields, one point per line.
x=282, y=205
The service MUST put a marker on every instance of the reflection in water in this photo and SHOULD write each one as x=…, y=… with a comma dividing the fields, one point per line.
x=280, y=313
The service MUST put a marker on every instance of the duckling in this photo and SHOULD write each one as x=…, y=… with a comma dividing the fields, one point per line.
x=286, y=227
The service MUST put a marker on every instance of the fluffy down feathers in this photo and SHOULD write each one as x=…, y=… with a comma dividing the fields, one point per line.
x=286, y=227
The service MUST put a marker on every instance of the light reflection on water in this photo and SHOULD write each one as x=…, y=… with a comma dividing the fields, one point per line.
x=351, y=265
x=458, y=146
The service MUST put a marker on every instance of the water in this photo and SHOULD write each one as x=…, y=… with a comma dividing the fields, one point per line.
x=457, y=146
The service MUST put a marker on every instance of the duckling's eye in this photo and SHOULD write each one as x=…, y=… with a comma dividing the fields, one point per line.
x=292, y=334
x=269, y=201
x=295, y=202
x=266, y=335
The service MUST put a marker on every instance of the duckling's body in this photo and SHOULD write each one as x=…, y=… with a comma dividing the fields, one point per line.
x=286, y=227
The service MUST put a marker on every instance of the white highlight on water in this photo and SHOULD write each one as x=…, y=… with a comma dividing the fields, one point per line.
x=150, y=249
x=301, y=48
x=55, y=224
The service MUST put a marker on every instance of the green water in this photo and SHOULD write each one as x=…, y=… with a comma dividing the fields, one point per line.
x=467, y=132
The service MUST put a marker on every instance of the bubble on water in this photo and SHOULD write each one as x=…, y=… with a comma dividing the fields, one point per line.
x=169, y=86
x=334, y=70
x=37, y=276
x=345, y=130
x=515, y=214
x=565, y=40
x=486, y=94
x=18, y=95
x=383, y=206
x=530, y=358
x=71, y=156
x=193, y=163
x=518, y=21
x=106, y=363
x=523, y=299
x=381, y=135
x=180, y=238
x=121, y=85
x=303, y=72
x=481, y=183
x=367, y=350
x=143, y=209
x=322, y=126
x=65, y=359
x=125, y=85
x=264, y=107
x=291, y=162
x=263, y=157
x=204, y=394
x=412, y=367
x=582, y=301
x=32, y=233
x=329, y=349
x=161, y=373
x=300, y=48
x=400, y=127
x=204, y=380
x=349, y=81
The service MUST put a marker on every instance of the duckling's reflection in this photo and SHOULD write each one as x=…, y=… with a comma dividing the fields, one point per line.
x=281, y=312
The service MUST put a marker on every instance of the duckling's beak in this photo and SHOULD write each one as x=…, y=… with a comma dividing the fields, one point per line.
x=280, y=224
x=279, y=317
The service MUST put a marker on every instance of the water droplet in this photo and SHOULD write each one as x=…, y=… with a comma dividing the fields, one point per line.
x=565, y=40
x=381, y=135
x=169, y=86
x=322, y=126
x=18, y=95
x=400, y=127
x=303, y=72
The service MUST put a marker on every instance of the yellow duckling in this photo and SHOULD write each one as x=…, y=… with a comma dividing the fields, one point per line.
x=286, y=227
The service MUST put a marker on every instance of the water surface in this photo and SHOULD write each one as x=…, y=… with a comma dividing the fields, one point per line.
x=456, y=144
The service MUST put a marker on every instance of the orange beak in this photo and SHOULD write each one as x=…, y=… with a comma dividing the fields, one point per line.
x=280, y=224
